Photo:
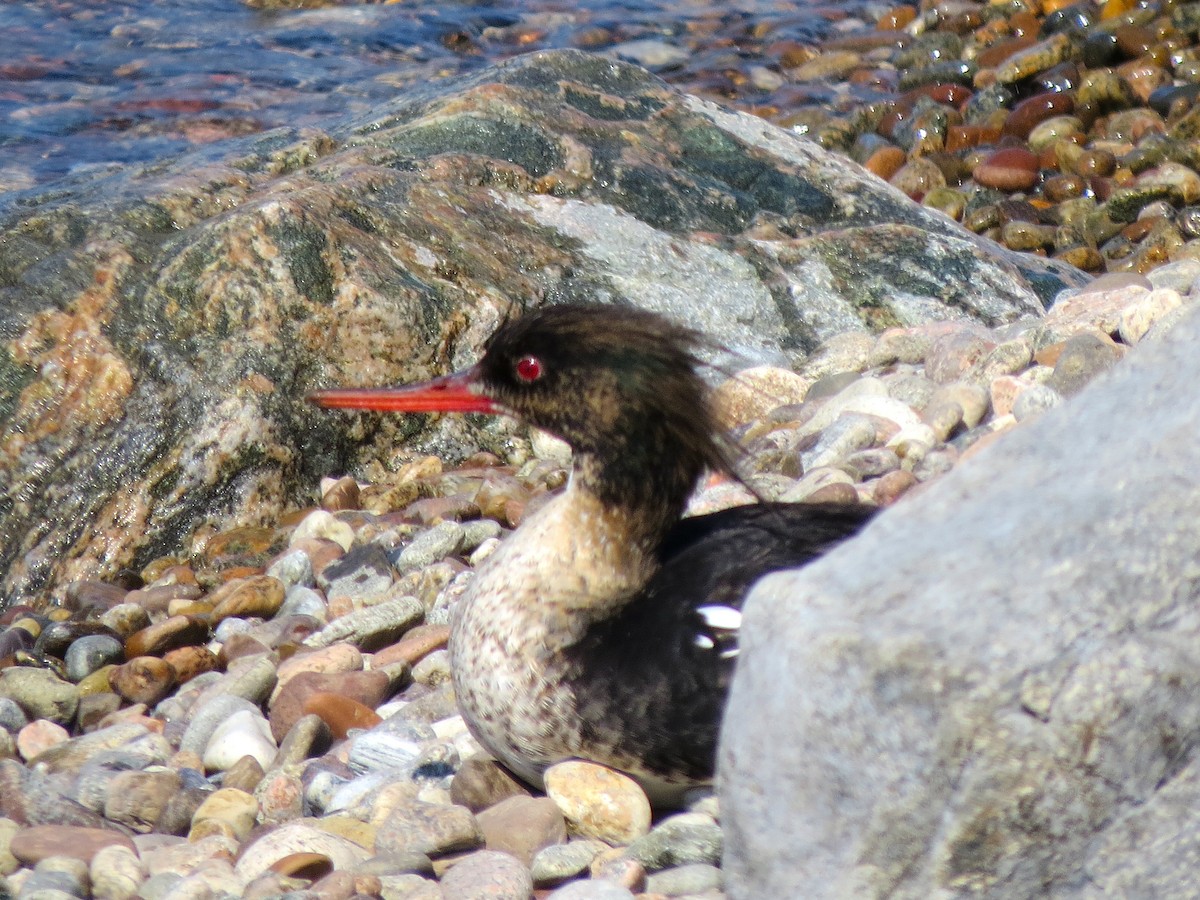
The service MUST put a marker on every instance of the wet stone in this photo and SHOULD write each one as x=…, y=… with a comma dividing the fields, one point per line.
x=92, y=652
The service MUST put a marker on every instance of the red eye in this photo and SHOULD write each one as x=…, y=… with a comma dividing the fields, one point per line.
x=529, y=368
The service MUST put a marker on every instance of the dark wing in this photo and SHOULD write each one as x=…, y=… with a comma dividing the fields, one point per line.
x=662, y=666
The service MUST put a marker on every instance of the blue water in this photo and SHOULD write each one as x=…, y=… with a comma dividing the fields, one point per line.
x=90, y=82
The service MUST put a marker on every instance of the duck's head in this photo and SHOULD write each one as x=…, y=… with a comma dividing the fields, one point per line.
x=618, y=384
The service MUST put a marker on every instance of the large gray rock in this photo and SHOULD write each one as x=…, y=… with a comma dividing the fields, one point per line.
x=159, y=326
x=995, y=690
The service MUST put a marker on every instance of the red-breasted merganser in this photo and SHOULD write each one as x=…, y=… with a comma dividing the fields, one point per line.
x=605, y=627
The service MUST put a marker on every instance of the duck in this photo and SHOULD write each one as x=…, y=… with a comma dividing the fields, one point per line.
x=605, y=627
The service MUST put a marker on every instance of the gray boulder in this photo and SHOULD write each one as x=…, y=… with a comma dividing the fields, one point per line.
x=162, y=323
x=995, y=690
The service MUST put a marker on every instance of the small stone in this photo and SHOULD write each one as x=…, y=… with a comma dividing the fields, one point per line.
x=488, y=874
x=689, y=880
x=340, y=494
x=189, y=662
x=40, y=693
x=297, y=837
x=33, y=844
x=433, y=545
x=953, y=354
x=1082, y=358
x=116, y=873
x=175, y=631
x=244, y=733
x=1010, y=169
x=598, y=802
x=814, y=481
x=754, y=392
x=244, y=775
x=679, y=840
x=364, y=689
x=137, y=799
x=292, y=569
x=594, y=889
x=206, y=720
x=556, y=863
x=1035, y=399
x=323, y=525
x=522, y=826
x=340, y=713
x=259, y=596
x=1138, y=317
x=372, y=627
x=433, y=670
x=481, y=783
x=144, y=679
x=419, y=642
x=892, y=486
x=362, y=575
x=92, y=652
x=872, y=463
x=236, y=808
x=38, y=736
x=432, y=828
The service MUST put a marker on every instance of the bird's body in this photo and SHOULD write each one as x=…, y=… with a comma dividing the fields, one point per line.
x=605, y=627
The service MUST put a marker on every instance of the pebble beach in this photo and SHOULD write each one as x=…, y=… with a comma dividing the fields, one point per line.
x=268, y=711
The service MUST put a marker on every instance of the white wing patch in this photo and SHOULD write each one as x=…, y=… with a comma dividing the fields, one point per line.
x=724, y=618
x=720, y=629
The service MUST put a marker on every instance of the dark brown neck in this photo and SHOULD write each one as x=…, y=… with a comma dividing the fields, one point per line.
x=651, y=485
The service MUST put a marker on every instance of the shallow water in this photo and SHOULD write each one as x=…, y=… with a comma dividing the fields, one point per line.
x=84, y=82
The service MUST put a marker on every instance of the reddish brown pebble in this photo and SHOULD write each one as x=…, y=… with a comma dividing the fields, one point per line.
x=896, y=18
x=415, y=645
x=998, y=53
x=962, y=137
x=33, y=844
x=885, y=162
x=177, y=631
x=188, y=662
x=343, y=494
x=1010, y=169
x=340, y=713
x=260, y=595
x=1034, y=110
x=146, y=679
x=290, y=704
